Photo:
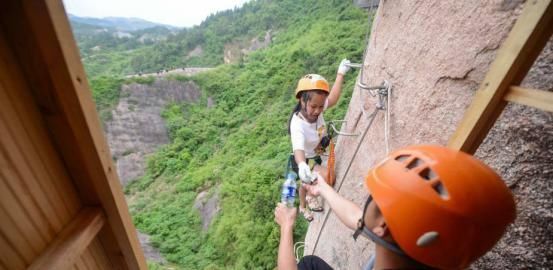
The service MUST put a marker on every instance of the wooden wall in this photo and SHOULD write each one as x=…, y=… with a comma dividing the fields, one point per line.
x=61, y=204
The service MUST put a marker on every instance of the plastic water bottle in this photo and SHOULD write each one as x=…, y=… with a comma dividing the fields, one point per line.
x=288, y=195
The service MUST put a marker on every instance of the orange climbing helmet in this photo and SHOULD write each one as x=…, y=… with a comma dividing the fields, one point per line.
x=444, y=208
x=312, y=82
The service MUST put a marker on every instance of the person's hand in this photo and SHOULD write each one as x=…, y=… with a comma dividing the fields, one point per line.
x=344, y=67
x=304, y=172
x=285, y=216
x=317, y=186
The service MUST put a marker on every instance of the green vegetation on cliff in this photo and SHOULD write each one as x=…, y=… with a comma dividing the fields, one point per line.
x=238, y=147
x=104, y=54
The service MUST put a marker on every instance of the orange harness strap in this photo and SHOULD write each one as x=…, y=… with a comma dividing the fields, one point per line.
x=330, y=178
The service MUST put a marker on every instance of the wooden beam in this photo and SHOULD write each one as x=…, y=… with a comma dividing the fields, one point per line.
x=72, y=241
x=540, y=99
x=515, y=57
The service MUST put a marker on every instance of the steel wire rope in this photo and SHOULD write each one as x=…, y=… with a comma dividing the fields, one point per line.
x=327, y=214
x=387, y=118
x=361, y=75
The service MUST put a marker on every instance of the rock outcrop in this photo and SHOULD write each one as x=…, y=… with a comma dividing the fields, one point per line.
x=436, y=54
x=137, y=128
x=207, y=203
x=234, y=51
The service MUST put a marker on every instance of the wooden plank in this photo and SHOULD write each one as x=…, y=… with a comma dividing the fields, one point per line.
x=99, y=255
x=29, y=204
x=40, y=149
x=112, y=250
x=11, y=130
x=40, y=35
x=89, y=260
x=540, y=99
x=67, y=247
x=15, y=238
x=79, y=265
x=15, y=211
x=515, y=57
x=9, y=256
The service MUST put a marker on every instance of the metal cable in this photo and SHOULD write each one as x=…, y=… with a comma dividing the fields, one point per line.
x=361, y=76
x=327, y=214
x=387, y=117
x=333, y=126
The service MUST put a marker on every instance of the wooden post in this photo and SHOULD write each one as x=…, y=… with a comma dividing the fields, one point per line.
x=515, y=57
x=540, y=99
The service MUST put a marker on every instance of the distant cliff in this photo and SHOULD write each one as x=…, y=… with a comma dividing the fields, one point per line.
x=137, y=128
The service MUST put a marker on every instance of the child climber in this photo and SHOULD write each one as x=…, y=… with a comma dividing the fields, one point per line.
x=307, y=129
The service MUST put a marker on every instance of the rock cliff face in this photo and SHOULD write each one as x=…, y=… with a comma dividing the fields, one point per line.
x=137, y=128
x=436, y=53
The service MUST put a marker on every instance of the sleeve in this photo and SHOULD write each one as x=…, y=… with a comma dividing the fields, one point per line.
x=297, y=136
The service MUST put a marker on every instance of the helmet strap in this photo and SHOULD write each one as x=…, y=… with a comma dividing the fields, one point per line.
x=377, y=240
x=361, y=228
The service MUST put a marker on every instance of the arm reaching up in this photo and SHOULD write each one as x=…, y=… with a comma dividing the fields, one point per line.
x=337, y=86
x=285, y=217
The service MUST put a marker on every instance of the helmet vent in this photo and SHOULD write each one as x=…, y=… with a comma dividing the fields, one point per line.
x=439, y=187
x=415, y=163
x=427, y=174
x=427, y=238
x=402, y=158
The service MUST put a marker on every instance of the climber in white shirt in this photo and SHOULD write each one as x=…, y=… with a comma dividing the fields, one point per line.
x=307, y=129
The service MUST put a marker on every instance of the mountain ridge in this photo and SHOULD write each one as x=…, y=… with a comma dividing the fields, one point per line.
x=119, y=23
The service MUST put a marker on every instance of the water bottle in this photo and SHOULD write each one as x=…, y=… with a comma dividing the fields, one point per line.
x=288, y=194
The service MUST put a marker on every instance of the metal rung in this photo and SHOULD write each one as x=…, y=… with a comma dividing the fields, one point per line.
x=365, y=87
x=354, y=65
x=331, y=124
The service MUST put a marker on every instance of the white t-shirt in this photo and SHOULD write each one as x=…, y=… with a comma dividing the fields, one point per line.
x=307, y=136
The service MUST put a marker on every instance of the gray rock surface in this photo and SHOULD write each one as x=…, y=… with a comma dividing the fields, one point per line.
x=207, y=203
x=137, y=128
x=436, y=53
x=234, y=51
x=151, y=253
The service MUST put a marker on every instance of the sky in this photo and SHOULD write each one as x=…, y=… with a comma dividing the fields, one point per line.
x=182, y=13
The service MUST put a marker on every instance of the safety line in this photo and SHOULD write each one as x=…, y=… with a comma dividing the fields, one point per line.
x=327, y=214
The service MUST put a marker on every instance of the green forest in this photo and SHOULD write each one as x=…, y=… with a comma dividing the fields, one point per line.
x=239, y=146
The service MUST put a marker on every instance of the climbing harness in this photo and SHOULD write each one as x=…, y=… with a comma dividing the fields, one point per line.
x=330, y=178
